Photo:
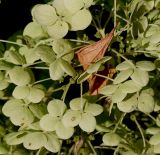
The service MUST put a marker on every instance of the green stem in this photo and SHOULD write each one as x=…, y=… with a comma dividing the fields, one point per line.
x=115, y=12
x=140, y=129
x=80, y=41
x=35, y=63
x=67, y=53
x=39, y=81
x=104, y=147
x=44, y=42
x=39, y=151
x=106, y=23
x=110, y=107
x=144, y=51
x=65, y=91
x=11, y=150
x=123, y=19
x=59, y=152
x=92, y=148
x=119, y=54
x=119, y=122
x=121, y=30
x=71, y=150
x=57, y=89
x=12, y=42
x=98, y=29
x=100, y=19
x=125, y=146
x=81, y=94
x=116, y=151
x=105, y=77
x=31, y=153
x=150, y=117
x=39, y=67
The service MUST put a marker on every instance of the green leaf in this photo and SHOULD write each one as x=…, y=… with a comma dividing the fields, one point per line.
x=14, y=57
x=153, y=130
x=135, y=28
x=80, y=20
x=4, y=65
x=155, y=38
x=4, y=84
x=149, y=5
x=11, y=105
x=77, y=103
x=88, y=122
x=55, y=70
x=35, y=95
x=111, y=139
x=118, y=95
x=29, y=54
x=2, y=93
x=44, y=14
x=146, y=103
x=156, y=148
x=152, y=29
x=60, y=8
x=34, y=30
x=34, y=141
x=58, y=30
x=2, y=48
x=158, y=120
x=128, y=105
x=4, y=149
x=48, y=122
x=45, y=53
x=130, y=87
x=157, y=3
x=102, y=128
x=22, y=116
x=34, y=126
x=56, y=107
x=64, y=132
x=122, y=76
x=66, y=67
x=143, y=24
x=87, y=3
x=149, y=91
x=52, y=144
x=38, y=110
x=1, y=75
x=124, y=66
x=71, y=118
x=15, y=138
x=108, y=90
x=133, y=5
x=141, y=77
x=20, y=152
x=73, y=6
x=155, y=139
x=139, y=11
x=130, y=153
x=94, y=109
x=21, y=92
x=19, y=76
x=145, y=65
x=83, y=77
x=95, y=67
x=63, y=49
x=2, y=130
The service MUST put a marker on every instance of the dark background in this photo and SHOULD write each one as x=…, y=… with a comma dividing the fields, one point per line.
x=15, y=15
